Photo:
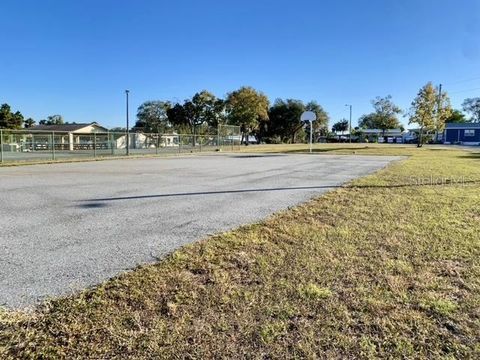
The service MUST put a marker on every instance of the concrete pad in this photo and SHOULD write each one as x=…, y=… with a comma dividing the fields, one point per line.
x=69, y=226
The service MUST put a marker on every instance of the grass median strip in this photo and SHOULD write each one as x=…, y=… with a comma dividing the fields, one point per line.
x=387, y=266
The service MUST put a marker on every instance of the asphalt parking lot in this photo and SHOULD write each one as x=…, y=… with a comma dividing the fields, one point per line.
x=68, y=226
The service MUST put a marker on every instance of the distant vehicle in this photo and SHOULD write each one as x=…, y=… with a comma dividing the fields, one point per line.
x=409, y=139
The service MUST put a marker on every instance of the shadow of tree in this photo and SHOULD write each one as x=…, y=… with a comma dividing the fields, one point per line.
x=447, y=182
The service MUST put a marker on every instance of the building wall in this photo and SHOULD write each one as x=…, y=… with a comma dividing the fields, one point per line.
x=90, y=129
x=458, y=135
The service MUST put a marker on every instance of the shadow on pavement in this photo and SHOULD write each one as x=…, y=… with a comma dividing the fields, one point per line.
x=98, y=202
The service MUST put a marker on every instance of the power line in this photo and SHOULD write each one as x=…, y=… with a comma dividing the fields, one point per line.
x=462, y=91
x=463, y=81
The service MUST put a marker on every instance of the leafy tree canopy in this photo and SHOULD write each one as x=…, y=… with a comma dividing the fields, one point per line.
x=472, y=106
x=207, y=109
x=247, y=108
x=284, y=118
x=429, y=111
x=320, y=126
x=384, y=117
x=340, y=126
x=456, y=117
x=203, y=110
x=52, y=120
x=152, y=117
x=28, y=123
x=9, y=119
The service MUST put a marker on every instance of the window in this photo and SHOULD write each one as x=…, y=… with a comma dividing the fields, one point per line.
x=469, y=132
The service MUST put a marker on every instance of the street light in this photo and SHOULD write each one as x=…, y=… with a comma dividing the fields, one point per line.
x=128, y=126
x=350, y=125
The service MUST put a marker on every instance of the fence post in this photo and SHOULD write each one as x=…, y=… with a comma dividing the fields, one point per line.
x=94, y=145
x=1, y=145
x=53, y=145
x=110, y=140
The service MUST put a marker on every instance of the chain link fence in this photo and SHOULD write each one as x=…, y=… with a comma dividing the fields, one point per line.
x=25, y=145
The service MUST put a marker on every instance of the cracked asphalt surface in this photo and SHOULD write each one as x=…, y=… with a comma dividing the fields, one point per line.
x=68, y=226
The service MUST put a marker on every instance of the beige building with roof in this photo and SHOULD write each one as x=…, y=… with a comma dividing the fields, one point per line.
x=68, y=136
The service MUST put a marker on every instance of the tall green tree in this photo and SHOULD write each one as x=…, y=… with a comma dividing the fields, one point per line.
x=179, y=116
x=28, y=123
x=320, y=126
x=472, y=106
x=456, y=117
x=428, y=111
x=9, y=119
x=284, y=118
x=207, y=109
x=152, y=117
x=204, y=112
x=443, y=112
x=340, y=126
x=384, y=117
x=52, y=120
x=247, y=108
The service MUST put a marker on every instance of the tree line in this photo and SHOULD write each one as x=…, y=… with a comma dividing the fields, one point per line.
x=16, y=121
x=246, y=107
x=429, y=111
x=279, y=122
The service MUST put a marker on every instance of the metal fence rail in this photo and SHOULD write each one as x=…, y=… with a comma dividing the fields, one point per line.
x=24, y=145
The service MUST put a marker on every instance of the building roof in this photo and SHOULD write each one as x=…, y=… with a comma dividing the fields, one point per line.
x=462, y=126
x=64, y=127
x=380, y=131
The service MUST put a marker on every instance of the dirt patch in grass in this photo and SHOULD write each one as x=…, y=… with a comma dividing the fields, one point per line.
x=388, y=267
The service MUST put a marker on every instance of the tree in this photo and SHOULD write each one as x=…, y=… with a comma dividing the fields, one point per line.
x=472, y=106
x=368, y=121
x=247, y=108
x=204, y=110
x=52, y=120
x=180, y=117
x=384, y=117
x=341, y=125
x=456, y=117
x=28, y=123
x=443, y=112
x=8, y=119
x=320, y=126
x=152, y=117
x=429, y=111
x=207, y=109
x=284, y=118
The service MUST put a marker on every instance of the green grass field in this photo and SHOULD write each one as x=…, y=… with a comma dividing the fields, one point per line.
x=387, y=266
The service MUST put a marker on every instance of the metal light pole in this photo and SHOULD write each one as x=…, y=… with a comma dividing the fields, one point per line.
x=128, y=126
x=350, y=125
x=311, y=131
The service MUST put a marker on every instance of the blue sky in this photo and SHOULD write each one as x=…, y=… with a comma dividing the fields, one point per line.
x=76, y=58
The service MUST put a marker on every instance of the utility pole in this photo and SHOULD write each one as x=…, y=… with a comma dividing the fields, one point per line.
x=1, y=146
x=439, y=111
x=128, y=126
